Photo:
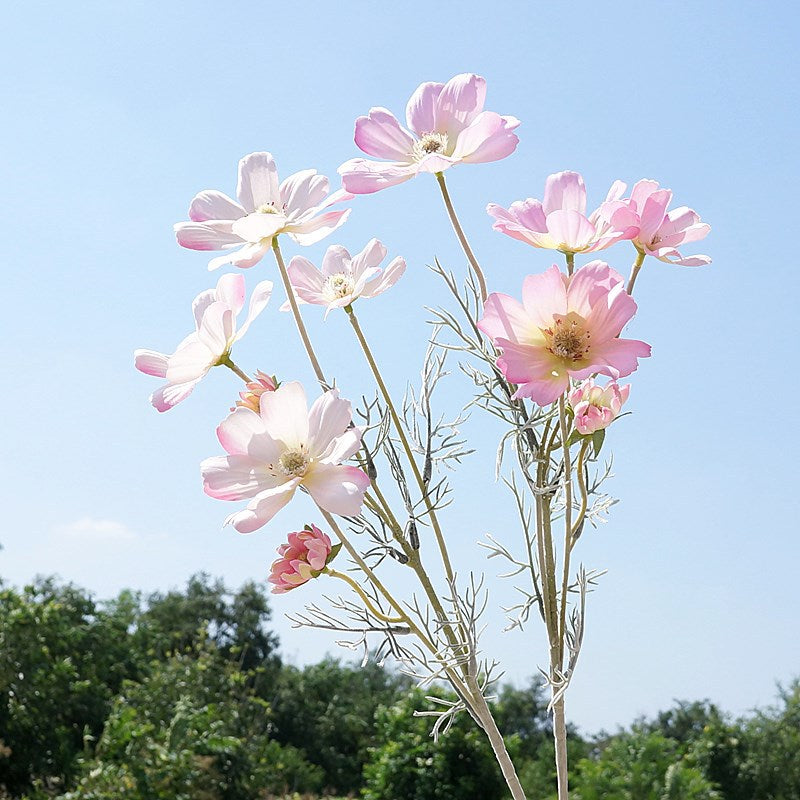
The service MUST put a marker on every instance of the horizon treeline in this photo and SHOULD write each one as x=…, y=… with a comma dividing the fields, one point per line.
x=183, y=694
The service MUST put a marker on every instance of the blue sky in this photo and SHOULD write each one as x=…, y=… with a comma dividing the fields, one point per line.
x=116, y=116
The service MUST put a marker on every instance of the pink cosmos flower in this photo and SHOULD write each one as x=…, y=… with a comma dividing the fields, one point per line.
x=559, y=222
x=251, y=396
x=596, y=407
x=265, y=209
x=344, y=278
x=215, y=312
x=447, y=126
x=301, y=559
x=282, y=447
x=661, y=232
x=564, y=328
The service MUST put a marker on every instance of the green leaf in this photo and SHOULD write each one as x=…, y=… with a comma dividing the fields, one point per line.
x=597, y=441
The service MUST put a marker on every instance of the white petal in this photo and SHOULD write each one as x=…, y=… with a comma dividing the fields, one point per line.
x=258, y=302
x=285, y=414
x=214, y=205
x=258, y=181
x=263, y=507
x=244, y=257
x=328, y=418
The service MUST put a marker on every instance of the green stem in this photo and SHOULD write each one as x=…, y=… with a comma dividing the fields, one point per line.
x=584, y=493
x=562, y=628
x=225, y=361
x=360, y=592
x=461, y=235
x=570, y=263
x=301, y=328
x=637, y=265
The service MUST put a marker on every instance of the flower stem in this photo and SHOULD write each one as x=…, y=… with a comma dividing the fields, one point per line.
x=461, y=236
x=301, y=328
x=562, y=420
x=404, y=441
x=570, y=263
x=360, y=592
x=227, y=362
x=637, y=265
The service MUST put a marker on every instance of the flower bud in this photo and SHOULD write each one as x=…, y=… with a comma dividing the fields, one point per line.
x=251, y=398
x=596, y=407
x=303, y=557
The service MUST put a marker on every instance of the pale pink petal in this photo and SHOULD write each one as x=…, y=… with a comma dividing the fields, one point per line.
x=421, y=108
x=257, y=227
x=216, y=329
x=234, y=477
x=616, y=191
x=371, y=256
x=336, y=259
x=615, y=358
x=382, y=136
x=610, y=315
x=544, y=295
x=328, y=418
x=206, y=235
x=231, y=291
x=682, y=225
x=214, y=205
x=238, y=430
x=640, y=192
x=459, y=102
x=338, y=489
x=244, y=258
x=670, y=255
x=591, y=285
x=652, y=214
x=489, y=137
x=434, y=162
x=564, y=191
x=169, y=396
x=504, y=316
x=529, y=214
x=263, y=507
x=306, y=280
x=570, y=230
x=360, y=176
x=258, y=302
x=151, y=363
x=258, y=181
x=386, y=279
x=285, y=414
x=522, y=363
x=342, y=447
x=190, y=362
x=316, y=229
x=303, y=191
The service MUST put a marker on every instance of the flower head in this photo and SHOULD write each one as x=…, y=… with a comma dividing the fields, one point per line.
x=281, y=447
x=215, y=312
x=265, y=209
x=564, y=328
x=559, y=222
x=447, y=126
x=344, y=278
x=661, y=232
x=251, y=396
x=596, y=407
x=303, y=557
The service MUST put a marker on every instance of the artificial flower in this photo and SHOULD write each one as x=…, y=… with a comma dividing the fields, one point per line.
x=446, y=126
x=266, y=208
x=596, y=407
x=302, y=558
x=215, y=312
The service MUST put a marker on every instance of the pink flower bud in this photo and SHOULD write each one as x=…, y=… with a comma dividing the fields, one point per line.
x=303, y=557
x=252, y=397
x=596, y=407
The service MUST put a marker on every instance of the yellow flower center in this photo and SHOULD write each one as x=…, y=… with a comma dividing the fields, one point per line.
x=338, y=286
x=568, y=338
x=293, y=463
x=268, y=208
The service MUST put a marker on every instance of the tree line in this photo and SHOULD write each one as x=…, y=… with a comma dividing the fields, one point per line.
x=183, y=695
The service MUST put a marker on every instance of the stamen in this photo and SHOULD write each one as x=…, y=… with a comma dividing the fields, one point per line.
x=430, y=143
x=338, y=286
x=293, y=463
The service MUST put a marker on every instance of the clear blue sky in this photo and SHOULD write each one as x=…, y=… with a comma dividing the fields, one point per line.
x=116, y=114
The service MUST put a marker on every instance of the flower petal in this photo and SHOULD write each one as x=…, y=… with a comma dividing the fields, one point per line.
x=169, y=395
x=421, y=108
x=263, y=507
x=306, y=280
x=342, y=447
x=459, y=102
x=360, y=176
x=216, y=330
x=316, y=229
x=386, y=279
x=257, y=227
x=231, y=291
x=190, y=362
x=236, y=477
x=570, y=230
x=505, y=317
x=371, y=256
x=615, y=358
x=338, y=489
x=303, y=191
x=285, y=414
x=206, y=235
x=564, y=191
x=544, y=295
x=258, y=302
x=488, y=137
x=151, y=363
x=214, y=205
x=258, y=181
x=380, y=134
x=328, y=418
x=244, y=257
